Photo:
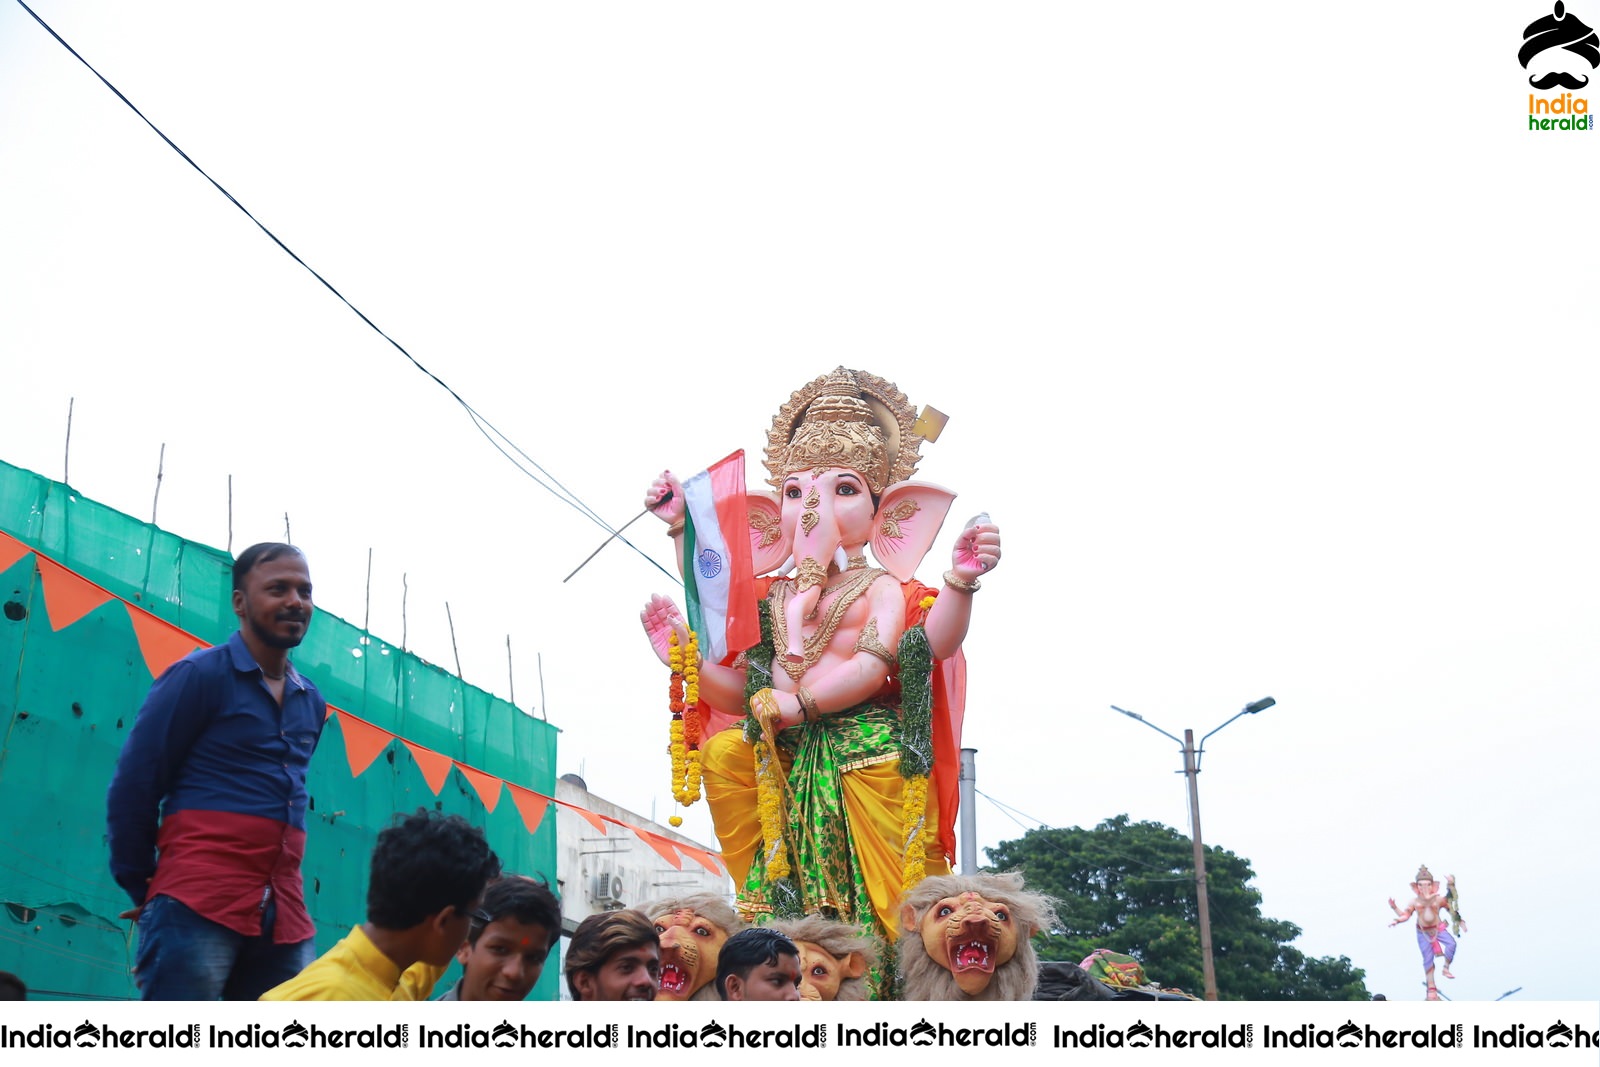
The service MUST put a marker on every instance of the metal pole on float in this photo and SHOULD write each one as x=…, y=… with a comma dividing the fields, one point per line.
x=969, y=816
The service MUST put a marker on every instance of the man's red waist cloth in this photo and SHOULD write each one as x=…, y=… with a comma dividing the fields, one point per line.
x=227, y=866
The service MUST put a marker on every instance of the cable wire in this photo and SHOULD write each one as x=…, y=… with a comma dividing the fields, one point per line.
x=490, y=432
x=1012, y=813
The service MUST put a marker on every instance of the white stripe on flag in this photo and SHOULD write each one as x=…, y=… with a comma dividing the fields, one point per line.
x=708, y=576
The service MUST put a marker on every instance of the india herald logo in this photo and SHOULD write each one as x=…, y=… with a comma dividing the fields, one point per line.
x=1564, y=36
x=709, y=563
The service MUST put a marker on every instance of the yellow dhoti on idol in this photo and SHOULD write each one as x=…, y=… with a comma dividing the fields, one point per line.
x=846, y=818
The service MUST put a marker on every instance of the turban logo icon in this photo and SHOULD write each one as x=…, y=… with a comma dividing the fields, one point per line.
x=1566, y=32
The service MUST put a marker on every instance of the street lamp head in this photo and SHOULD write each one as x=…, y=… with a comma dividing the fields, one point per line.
x=1140, y=718
x=1259, y=705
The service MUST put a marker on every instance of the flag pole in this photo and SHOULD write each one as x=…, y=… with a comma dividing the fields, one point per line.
x=617, y=533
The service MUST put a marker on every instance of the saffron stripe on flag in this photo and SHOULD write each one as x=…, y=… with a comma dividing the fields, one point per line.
x=718, y=574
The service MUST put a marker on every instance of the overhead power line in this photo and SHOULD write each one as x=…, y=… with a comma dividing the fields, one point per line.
x=491, y=433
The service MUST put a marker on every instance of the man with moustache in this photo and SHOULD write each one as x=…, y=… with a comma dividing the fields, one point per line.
x=213, y=777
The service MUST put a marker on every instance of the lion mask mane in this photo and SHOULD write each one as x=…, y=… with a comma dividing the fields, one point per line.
x=1013, y=977
x=685, y=958
x=839, y=940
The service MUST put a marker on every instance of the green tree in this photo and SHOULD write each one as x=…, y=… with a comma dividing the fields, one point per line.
x=1129, y=887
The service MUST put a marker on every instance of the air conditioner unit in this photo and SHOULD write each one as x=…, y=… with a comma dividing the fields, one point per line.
x=608, y=890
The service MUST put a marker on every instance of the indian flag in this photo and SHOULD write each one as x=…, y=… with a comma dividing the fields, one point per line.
x=718, y=578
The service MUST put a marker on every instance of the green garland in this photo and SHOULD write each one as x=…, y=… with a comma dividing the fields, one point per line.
x=758, y=668
x=916, y=704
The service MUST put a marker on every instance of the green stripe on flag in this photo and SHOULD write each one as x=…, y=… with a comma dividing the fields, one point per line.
x=691, y=583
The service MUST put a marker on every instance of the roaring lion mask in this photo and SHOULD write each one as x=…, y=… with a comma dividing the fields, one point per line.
x=693, y=929
x=967, y=938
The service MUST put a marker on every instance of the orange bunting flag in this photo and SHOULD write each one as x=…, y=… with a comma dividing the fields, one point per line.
x=161, y=643
x=67, y=597
x=487, y=785
x=709, y=860
x=665, y=848
x=530, y=805
x=362, y=741
x=11, y=550
x=594, y=820
x=435, y=768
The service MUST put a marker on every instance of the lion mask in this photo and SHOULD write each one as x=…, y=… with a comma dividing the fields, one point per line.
x=967, y=938
x=692, y=929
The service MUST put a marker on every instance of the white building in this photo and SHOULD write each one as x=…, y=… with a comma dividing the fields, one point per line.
x=605, y=871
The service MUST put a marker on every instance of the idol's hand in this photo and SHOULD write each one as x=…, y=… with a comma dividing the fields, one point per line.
x=661, y=619
x=977, y=550
x=665, y=498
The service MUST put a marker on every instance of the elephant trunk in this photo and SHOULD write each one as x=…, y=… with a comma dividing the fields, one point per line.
x=814, y=549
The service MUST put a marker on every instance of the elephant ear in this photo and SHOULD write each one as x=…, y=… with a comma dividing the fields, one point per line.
x=908, y=519
x=769, y=547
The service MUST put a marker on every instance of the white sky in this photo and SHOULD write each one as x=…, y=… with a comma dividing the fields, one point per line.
x=1267, y=344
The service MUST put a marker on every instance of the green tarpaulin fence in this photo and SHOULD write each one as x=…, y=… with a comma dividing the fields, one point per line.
x=68, y=696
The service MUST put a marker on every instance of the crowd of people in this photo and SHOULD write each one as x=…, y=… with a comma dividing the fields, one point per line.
x=436, y=894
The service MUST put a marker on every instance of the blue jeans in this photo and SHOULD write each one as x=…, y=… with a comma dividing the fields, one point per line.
x=185, y=956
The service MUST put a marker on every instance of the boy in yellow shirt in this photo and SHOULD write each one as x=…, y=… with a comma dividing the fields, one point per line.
x=428, y=875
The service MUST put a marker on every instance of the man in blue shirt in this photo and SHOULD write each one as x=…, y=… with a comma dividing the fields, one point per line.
x=213, y=776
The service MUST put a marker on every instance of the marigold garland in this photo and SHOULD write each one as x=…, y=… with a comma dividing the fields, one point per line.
x=915, y=818
x=769, y=804
x=691, y=681
x=684, y=731
x=770, y=782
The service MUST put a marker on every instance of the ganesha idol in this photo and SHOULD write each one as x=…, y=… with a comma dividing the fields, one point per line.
x=829, y=749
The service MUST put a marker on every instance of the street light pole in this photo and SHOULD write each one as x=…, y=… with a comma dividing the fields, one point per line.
x=1191, y=771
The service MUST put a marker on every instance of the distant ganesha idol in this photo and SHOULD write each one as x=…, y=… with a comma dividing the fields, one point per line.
x=827, y=735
